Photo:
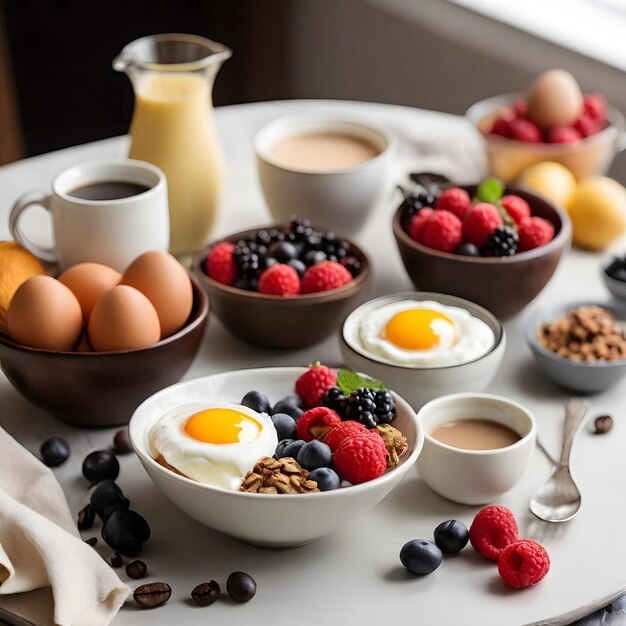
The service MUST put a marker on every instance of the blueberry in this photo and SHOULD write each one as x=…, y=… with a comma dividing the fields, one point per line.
x=125, y=531
x=106, y=498
x=285, y=406
x=55, y=451
x=298, y=265
x=326, y=478
x=313, y=257
x=293, y=400
x=467, y=249
x=315, y=454
x=451, y=536
x=282, y=251
x=280, y=448
x=285, y=426
x=345, y=483
x=420, y=557
x=100, y=465
x=293, y=449
x=256, y=401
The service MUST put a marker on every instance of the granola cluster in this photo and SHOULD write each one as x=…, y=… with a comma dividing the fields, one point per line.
x=271, y=475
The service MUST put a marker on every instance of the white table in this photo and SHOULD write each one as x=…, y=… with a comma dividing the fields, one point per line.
x=355, y=574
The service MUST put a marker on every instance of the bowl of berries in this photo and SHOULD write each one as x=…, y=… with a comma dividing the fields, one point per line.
x=278, y=456
x=553, y=121
x=496, y=246
x=285, y=286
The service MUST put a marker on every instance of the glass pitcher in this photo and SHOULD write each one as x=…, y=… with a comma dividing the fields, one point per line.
x=173, y=126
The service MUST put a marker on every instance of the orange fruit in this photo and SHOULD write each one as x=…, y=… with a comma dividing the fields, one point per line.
x=17, y=265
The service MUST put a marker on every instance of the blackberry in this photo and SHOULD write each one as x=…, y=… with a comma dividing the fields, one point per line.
x=503, y=241
x=371, y=407
x=335, y=399
x=413, y=203
x=247, y=255
x=334, y=247
x=352, y=264
x=300, y=230
x=312, y=257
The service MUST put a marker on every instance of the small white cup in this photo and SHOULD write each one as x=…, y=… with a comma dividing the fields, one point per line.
x=340, y=199
x=475, y=476
x=111, y=232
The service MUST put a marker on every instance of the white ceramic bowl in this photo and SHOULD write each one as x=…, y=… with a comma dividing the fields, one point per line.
x=616, y=287
x=422, y=384
x=341, y=199
x=475, y=476
x=272, y=521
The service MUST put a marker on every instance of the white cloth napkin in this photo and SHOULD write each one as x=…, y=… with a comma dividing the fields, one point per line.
x=40, y=545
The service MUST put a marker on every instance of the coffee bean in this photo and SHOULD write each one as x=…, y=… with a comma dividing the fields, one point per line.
x=241, y=586
x=92, y=541
x=151, y=595
x=602, y=424
x=206, y=593
x=136, y=569
x=121, y=442
x=116, y=560
x=86, y=518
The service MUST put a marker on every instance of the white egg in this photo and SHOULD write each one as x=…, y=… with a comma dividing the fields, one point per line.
x=426, y=334
x=214, y=444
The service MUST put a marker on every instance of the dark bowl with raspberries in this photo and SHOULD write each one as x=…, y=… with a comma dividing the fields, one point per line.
x=284, y=286
x=496, y=246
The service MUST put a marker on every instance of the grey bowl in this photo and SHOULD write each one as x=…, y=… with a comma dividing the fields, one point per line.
x=616, y=287
x=585, y=377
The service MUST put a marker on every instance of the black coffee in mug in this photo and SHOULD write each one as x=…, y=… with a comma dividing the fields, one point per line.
x=107, y=190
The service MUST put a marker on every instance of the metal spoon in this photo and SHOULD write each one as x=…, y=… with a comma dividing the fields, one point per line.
x=558, y=500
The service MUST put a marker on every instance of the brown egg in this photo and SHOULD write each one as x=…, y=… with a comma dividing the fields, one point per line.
x=165, y=282
x=45, y=314
x=554, y=99
x=89, y=282
x=123, y=319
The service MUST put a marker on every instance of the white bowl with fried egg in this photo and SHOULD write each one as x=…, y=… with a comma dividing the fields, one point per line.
x=266, y=520
x=424, y=344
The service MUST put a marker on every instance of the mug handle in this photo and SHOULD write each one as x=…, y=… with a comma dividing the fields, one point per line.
x=21, y=204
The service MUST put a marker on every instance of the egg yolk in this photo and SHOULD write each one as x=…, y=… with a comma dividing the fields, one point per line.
x=414, y=329
x=221, y=426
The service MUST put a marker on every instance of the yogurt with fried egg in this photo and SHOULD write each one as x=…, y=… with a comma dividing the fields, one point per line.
x=214, y=444
x=424, y=333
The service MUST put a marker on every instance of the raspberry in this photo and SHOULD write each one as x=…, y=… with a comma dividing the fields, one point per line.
x=516, y=207
x=316, y=422
x=338, y=434
x=501, y=127
x=455, y=200
x=520, y=108
x=279, y=280
x=563, y=134
x=418, y=221
x=220, y=263
x=481, y=220
x=314, y=383
x=523, y=130
x=534, y=232
x=523, y=564
x=493, y=529
x=594, y=105
x=361, y=458
x=442, y=231
x=325, y=276
x=587, y=126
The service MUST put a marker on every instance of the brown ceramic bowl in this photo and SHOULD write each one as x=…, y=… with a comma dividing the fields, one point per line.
x=503, y=285
x=100, y=389
x=276, y=321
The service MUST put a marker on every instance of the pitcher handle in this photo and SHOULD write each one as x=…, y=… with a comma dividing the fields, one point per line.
x=24, y=202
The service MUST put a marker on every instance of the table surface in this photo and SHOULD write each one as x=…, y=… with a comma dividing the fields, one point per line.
x=356, y=572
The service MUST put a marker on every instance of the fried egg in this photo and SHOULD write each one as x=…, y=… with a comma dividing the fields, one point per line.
x=424, y=333
x=213, y=444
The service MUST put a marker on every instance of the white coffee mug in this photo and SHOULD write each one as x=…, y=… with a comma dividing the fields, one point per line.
x=111, y=232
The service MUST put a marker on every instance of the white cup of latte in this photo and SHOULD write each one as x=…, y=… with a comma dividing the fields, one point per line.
x=332, y=171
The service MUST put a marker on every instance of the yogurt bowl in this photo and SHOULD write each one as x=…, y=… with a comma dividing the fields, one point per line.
x=422, y=380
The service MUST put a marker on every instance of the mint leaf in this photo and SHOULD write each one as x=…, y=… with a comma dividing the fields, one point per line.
x=348, y=381
x=490, y=190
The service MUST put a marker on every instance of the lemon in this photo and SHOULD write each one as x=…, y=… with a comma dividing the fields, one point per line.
x=598, y=212
x=551, y=180
x=17, y=265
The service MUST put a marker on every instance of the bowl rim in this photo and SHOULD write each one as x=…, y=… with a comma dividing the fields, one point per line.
x=542, y=316
x=432, y=295
x=496, y=399
x=191, y=324
x=616, y=126
x=293, y=372
x=560, y=240
x=333, y=294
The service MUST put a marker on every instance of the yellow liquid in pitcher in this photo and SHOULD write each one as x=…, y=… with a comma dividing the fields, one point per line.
x=173, y=128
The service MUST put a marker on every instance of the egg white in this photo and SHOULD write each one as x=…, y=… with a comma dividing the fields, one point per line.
x=218, y=465
x=471, y=338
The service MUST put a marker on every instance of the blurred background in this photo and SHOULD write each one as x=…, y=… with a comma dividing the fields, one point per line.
x=57, y=87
